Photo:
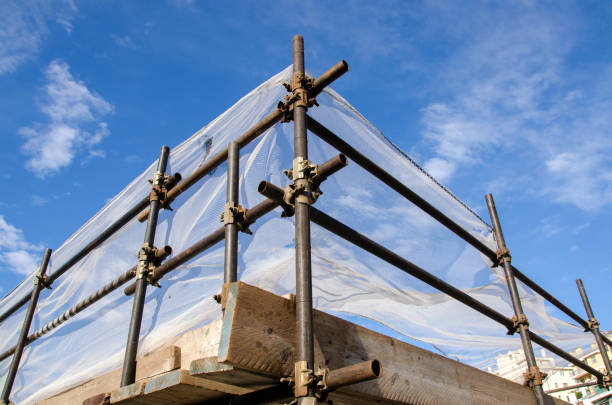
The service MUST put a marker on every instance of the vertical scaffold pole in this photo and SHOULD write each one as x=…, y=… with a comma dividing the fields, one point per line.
x=145, y=257
x=594, y=328
x=533, y=375
x=304, y=391
x=230, y=273
x=39, y=283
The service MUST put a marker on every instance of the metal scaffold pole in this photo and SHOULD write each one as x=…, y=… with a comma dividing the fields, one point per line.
x=533, y=376
x=40, y=282
x=304, y=365
x=594, y=328
x=230, y=214
x=146, y=257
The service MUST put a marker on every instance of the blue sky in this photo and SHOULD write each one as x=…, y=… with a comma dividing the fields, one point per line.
x=513, y=99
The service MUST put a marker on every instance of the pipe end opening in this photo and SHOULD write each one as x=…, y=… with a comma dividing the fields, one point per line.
x=376, y=368
x=262, y=186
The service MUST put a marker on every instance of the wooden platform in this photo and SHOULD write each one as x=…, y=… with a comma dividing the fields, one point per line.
x=254, y=345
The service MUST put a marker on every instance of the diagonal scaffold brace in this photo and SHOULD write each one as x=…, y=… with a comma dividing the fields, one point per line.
x=533, y=377
x=149, y=258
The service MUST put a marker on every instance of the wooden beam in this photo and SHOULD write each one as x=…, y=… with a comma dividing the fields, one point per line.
x=211, y=369
x=258, y=335
x=157, y=362
x=173, y=388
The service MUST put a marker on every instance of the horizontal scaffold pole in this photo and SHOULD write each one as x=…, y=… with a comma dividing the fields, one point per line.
x=572, y=387
x=378, y=172
x=351, y=235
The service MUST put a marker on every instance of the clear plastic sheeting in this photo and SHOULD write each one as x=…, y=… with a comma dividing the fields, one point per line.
x=346, y=280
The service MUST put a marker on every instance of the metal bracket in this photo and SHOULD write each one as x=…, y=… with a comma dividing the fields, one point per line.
x=503, y=255
x=322, y=390
x=592, y=324
x=144, y=255
x=299, y=95
x=305, y=170
x=149, y=257
x=533, y=376
x=304, y=377
x=42, y=281
x=235, y=214
x=161, y=184
x=302, y=169
x=517, y=322
x=606, y=381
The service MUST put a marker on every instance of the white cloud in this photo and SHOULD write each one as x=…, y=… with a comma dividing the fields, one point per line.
x=125, y=41
x=511, y=91
x=15, y=252
x=66, y=14
x=24, y=25
x=440, y=169
x=21, y=29
x=73, y=111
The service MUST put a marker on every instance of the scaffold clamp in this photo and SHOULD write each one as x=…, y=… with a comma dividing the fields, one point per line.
x=236, y=214
x=592, y=323
x=517, y=322
x=43, y=281
x=503, y=255
x=533, y=376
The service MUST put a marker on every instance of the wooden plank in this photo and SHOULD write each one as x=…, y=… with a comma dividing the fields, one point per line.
x=211, y=369
x=258, y=335
x=175, y=387
x=158, y=361
x=198, y=343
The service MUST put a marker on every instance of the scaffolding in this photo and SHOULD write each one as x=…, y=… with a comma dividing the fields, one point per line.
x=306, y=385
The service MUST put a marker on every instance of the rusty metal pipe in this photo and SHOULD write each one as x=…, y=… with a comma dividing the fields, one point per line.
x=328, y=168
x=367, y=370
x=594, y=326
x=572, y=387
x=523, y=326
x=328, y=77
x=230, y=265
x=173, y=180
x=128, y=375
x=272, y=192
x=304, y=355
